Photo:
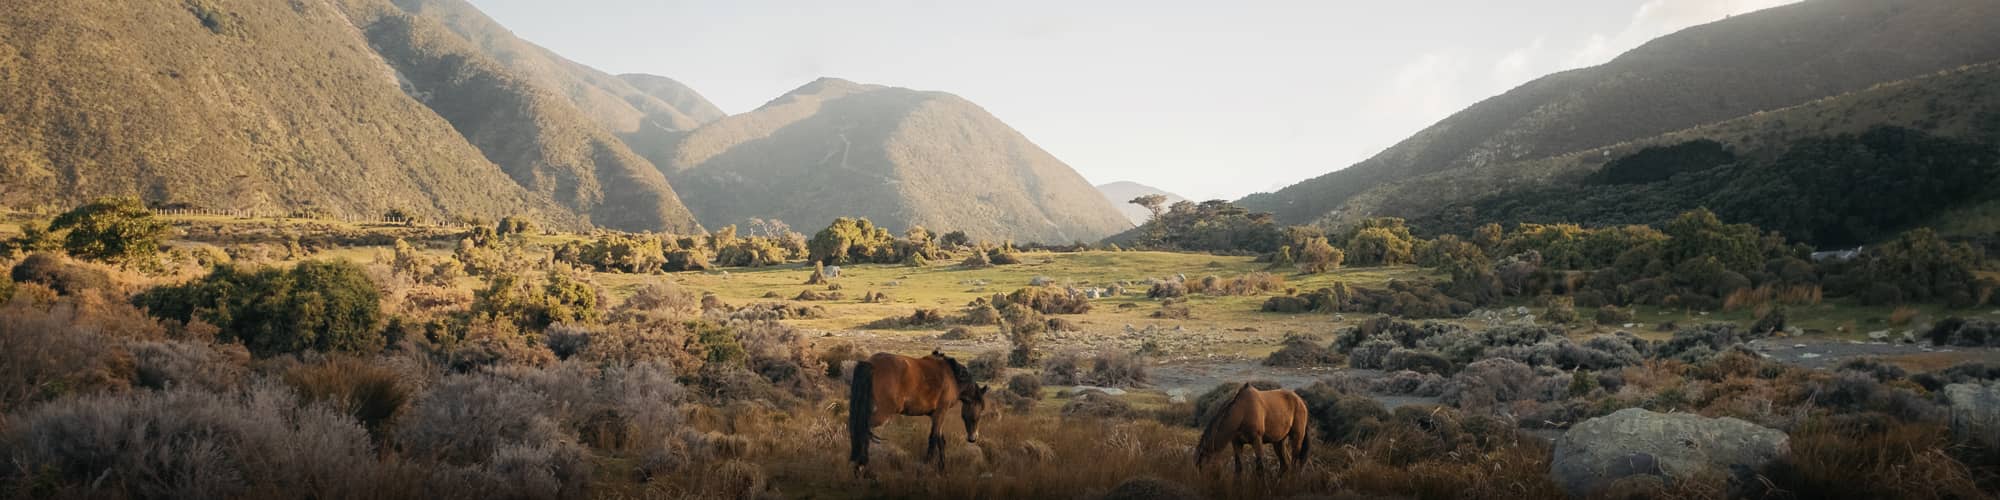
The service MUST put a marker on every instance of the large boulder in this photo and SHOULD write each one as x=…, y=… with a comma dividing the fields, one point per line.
x=1636, y=442
x=1975, y=411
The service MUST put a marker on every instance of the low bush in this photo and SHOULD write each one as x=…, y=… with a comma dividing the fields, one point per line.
x=321, y=306
x=1960, y=332
x=372, y=394
x=1416, y=361
x=61, y=274
x=188, y=443
x=1342, y=417
x=1300, y=351
x=170, y=364
x=1092, y=403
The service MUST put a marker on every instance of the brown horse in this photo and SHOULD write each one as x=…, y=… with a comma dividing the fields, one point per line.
x=1255, y=418
x=887, y=385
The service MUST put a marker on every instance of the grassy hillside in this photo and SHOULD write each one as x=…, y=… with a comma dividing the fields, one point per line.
x=542, y=140
x=897, y=156
x=1762, y=61
x=1963, y=104
x=227, y=104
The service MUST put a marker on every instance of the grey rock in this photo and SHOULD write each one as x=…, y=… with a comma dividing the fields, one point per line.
x=1975, y=411
x=1635, y=442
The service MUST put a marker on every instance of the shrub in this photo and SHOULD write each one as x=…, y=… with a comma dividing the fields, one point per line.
x=987, y=366
x=55, y=350
x=323, y=306
x=1023, y=327
x=1371, y=354
x=1341, y=417
x=1025, y=385
x=1561, y=311
x=1093, y=403
x=374, y=395
x=1318, y=256
x=171, y=364
x=1613, y=315
x=499, y=425
x=61, y=275
x=1170, y=310
x=1416, y=361
x=1962, y=332
x=1116, y=369
x=1167, y=289
x=116, y=230
x=1485, y=384
x=1300, y=351
x=1045, y=300
x=1408, y=383
x=186, y=443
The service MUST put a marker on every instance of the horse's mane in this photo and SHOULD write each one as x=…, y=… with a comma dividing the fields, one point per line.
x=958, y=371
x=1212, y=432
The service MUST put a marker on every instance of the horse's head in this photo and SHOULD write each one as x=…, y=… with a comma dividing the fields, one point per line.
x=972, y=404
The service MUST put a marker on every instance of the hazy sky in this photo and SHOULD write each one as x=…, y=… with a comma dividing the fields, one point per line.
x=1205, y=99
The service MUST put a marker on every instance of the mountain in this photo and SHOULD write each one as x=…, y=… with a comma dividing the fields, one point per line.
x=1933, y=175
x=683, y=98
x=348, y=108
x=1121, y=194
x=1736, y=67
x=268, y=106
x=545, y=142
x=897, y=156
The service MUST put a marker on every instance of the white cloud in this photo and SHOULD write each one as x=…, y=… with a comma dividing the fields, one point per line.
x=1657, y=18
x=1519, y=65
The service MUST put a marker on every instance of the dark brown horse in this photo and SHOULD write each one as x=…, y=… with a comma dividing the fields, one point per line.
x=1255, y=418
x=887, y=385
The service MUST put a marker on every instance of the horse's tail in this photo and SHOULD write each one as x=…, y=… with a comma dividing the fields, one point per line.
x=1305, y=443
x=860, y=406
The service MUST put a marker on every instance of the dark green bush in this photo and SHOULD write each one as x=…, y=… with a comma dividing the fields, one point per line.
x=315, y=305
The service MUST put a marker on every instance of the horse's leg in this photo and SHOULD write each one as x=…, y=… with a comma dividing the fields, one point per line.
x=1284, y=459
x=1257, y=453
x=936, y=447
x=1237, y=449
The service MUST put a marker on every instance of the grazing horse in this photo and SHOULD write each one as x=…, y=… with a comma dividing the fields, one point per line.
x=887, y=385
x=1255, y=418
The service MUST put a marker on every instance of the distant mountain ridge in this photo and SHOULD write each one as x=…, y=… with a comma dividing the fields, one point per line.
x=1122, y=193
x=897, y=156
x=1760, y=61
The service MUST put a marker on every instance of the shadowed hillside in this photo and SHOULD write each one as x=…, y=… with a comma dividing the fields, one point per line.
x=540, y=139
x=897, y=156
x=1962, y=106
x=229, y=105
x=1761, y=61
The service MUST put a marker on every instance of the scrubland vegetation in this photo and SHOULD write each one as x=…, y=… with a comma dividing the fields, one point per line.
x=202, y=358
